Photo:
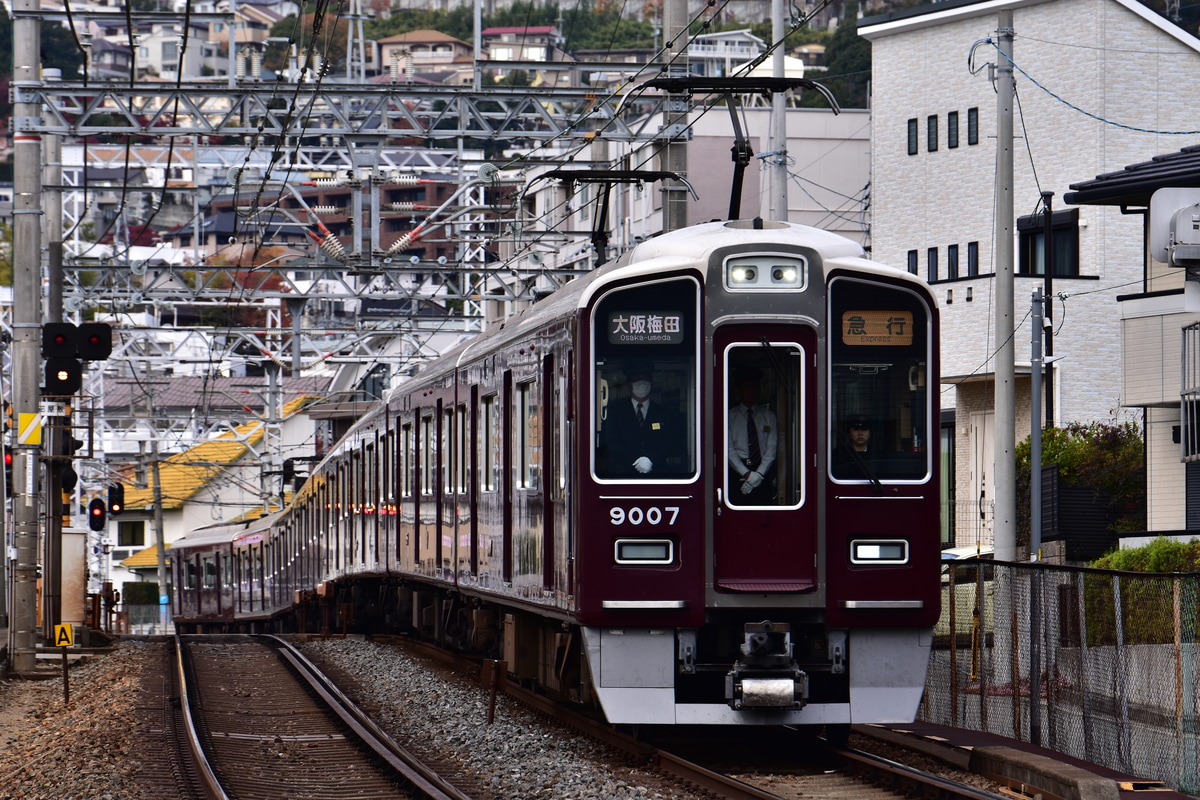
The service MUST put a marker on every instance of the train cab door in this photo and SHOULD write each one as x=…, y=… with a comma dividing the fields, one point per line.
x=765, y=416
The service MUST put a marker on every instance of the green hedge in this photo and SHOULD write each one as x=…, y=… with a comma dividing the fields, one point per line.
x=139, y=593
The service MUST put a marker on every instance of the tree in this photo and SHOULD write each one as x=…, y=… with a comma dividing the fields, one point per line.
x=847, y=64
x=1108, y=458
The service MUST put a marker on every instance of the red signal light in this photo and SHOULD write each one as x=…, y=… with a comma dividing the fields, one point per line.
x=8, y=458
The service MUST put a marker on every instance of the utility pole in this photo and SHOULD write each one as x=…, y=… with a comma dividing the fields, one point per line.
x=1048, y=293
x=779, y=176
x=675, y=131
x=1004, y=447
x=27, y=311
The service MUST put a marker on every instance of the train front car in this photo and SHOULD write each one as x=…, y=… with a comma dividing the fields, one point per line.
x=758, y=489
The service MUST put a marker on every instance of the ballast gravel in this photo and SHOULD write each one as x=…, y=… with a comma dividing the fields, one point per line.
x=517, y=756
x=87, y=748
x=90, y=749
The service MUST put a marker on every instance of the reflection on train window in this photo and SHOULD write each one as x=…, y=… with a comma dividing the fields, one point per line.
x=427, y=446
x=446, y=451
x=765, y=425
x=528, y=427
x=880, y=411
x=460, y=451
x=406, y=460
x=645, y=352
x=489, y=443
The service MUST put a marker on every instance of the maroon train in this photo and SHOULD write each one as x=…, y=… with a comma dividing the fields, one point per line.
x=670, y=570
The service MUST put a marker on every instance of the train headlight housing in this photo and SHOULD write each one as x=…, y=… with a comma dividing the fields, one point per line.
x=879, y=551
x=765, y=273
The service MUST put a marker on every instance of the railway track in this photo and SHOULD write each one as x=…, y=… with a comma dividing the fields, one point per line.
x=264, y=723
x=746, y=764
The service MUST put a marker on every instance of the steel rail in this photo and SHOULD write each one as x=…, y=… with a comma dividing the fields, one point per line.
x=208, y=778
x=420, y=776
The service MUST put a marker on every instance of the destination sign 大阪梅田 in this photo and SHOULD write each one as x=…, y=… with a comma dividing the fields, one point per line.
x=645, y=327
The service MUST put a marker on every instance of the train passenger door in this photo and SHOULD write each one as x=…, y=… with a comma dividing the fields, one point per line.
x=765, y=413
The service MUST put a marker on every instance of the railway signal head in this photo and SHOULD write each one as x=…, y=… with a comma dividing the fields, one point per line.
x=97, y=515
x=64, y=376
x=116, y=499
x=94, y=342
x=59, y=340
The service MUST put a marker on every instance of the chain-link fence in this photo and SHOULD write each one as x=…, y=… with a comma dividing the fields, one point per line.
x=1111, y=656
x=145, y=619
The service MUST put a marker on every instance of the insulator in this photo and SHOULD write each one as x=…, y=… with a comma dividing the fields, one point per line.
x=408, y=66
x=402, y=243
x=401, y=206
x=239, y=65
x=394, y=67
x=256, y=64
x=328, y=210
x=403, y=180
x=333, y=247
x=326, y=182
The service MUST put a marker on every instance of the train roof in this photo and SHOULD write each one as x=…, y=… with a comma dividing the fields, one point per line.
x=224, y=532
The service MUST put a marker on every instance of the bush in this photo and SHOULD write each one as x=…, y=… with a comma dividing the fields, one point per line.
x=139, y=593
x=1108, y=458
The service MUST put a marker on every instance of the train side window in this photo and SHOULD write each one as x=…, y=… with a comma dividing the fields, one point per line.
x=460, y=450
x=448, y=451
x=646, y=353
x=489, y=444
x=529, y=433
x=406, y=460
x=880, y=406
x=426, y=455
x=210, y=573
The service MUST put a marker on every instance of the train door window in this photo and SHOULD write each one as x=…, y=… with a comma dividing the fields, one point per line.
x=489, y=444
x=447, y=451
x=191, y=575
x=528, y=427
x=645, y=348
x=427, y=479
x=879, y=401
x=210, y=573
x=764, y=441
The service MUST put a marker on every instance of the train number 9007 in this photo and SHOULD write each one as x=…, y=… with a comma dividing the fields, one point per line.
x=638, y=515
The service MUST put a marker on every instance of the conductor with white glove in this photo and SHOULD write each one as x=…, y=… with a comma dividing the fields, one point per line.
x=752, y=482
x=753, y=439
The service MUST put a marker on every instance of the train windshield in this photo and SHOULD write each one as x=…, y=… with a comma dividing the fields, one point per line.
x=645, y=352
x=880, y=411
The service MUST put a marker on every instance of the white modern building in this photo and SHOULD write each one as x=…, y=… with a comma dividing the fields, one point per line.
x=1100, y=84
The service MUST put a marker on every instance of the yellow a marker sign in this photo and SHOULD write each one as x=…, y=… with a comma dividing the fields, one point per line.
x=64, y=636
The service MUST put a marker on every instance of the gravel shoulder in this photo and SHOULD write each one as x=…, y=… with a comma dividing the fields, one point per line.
x=84, y=750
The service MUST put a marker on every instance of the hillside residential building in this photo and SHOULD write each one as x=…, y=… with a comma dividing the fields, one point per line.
x=1099, y=86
